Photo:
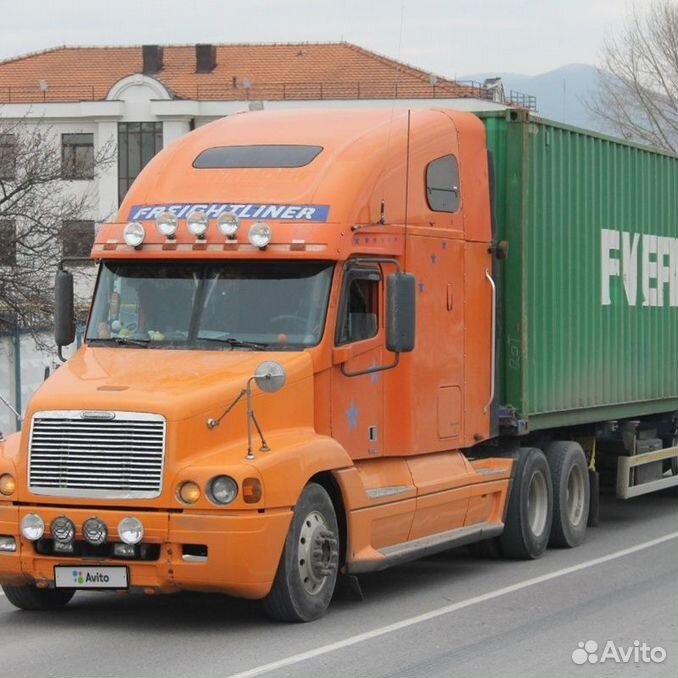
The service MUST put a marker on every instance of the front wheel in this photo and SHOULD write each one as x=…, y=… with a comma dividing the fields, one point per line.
x=29, y=597
x=307, y=573
x=530, y=507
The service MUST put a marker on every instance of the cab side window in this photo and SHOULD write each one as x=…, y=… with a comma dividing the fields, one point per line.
x=360, y=307
x=442, y=184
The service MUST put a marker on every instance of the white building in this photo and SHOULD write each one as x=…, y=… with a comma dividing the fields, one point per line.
x=140, y=99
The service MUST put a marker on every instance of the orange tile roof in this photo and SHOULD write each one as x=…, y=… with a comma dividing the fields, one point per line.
x=274, y=71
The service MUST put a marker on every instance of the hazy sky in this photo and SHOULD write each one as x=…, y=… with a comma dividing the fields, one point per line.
x=448, y=37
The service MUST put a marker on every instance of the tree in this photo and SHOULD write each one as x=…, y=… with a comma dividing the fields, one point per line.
x=41, y=216
x=638, y=88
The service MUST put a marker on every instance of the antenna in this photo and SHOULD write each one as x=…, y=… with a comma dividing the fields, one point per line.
x=390, y=122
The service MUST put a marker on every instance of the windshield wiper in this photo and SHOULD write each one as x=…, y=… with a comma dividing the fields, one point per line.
x=122, y=341
x=237, y=343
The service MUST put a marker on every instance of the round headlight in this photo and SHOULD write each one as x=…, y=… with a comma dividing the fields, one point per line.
x=260, y=234
x=228, y=224
x=95, y=531
x=134, y=234
x=197, y=223
x=7, y=484
x=222, y=490
x=63, y=530
x=189, y=492
x=167, y=224
x=32, y=527
x=131, y=530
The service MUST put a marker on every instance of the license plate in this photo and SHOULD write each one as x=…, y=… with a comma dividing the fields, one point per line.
x=79, y=577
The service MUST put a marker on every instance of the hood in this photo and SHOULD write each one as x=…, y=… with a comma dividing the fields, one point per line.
x=176, y=384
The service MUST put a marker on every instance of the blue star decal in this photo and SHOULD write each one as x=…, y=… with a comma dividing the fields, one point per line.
x=352, y=414
x=374, y=377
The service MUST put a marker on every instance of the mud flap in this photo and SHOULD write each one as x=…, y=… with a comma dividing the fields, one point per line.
x=594, y=502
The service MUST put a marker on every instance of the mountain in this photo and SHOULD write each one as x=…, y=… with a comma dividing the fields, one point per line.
x=561, y=94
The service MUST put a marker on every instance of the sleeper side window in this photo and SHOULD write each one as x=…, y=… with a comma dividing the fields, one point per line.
x=360, y=307
x=442, y=184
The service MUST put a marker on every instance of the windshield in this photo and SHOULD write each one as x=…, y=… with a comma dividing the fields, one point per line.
x=232, y=305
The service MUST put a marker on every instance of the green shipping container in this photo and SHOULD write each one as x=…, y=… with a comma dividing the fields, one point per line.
x=588, y=305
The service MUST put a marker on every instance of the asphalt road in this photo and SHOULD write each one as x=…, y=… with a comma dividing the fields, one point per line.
x=450, y=615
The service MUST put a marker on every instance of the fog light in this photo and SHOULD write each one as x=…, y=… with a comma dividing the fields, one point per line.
x=124, y=551
x=7, y=484
x=228, y=225
x=95, y=531
x=134, y=234
x=167, y=224
x=222, y=490
x=131, y=530
x=7, y=544
x=189, y=492
x=32, y=527
x=198, y=223
x=260, y=235
x=62, y=530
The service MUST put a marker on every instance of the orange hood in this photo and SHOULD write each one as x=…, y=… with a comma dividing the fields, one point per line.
x=177, y=384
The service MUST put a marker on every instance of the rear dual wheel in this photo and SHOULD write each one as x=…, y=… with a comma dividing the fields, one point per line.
x=572, y=493
x=530, y=507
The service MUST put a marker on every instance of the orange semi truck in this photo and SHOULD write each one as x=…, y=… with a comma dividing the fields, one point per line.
x=306, y=358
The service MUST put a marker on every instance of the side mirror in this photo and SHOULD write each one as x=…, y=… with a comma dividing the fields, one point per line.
x=270, y=376
x=64, y=314
x=401, y=320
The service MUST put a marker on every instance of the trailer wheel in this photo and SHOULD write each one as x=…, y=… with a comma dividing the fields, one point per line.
x=29, y=597
x=307, y=573
x=530, y=507
x=572, y=493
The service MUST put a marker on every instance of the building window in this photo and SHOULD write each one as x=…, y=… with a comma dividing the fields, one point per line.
x=77, y=238
x=7, y=243
x=7, y=157
x=360, y=307
x=442, y=184
x=77, y=156
x=138, y=142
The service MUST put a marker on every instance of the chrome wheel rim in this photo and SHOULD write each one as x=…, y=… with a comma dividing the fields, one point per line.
x=317, y=553
x=537, y=503
x=576, y=496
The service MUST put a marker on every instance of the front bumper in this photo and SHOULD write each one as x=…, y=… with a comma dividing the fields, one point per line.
x=243, y=549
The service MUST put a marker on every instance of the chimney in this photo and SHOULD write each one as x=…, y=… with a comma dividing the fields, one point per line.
x=205, y=58
x=152, y=59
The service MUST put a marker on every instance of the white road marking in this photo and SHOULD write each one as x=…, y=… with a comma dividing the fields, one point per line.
x=448, y=609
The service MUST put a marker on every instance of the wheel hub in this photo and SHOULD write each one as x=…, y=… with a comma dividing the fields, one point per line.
x=318, y=552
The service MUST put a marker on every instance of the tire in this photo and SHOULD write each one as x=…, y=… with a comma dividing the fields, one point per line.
x=29, y=597
x=530, y=507
x=572, y=493
x=307, y=573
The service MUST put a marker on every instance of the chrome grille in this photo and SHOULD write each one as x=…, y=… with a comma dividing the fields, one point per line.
x=97, y=454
